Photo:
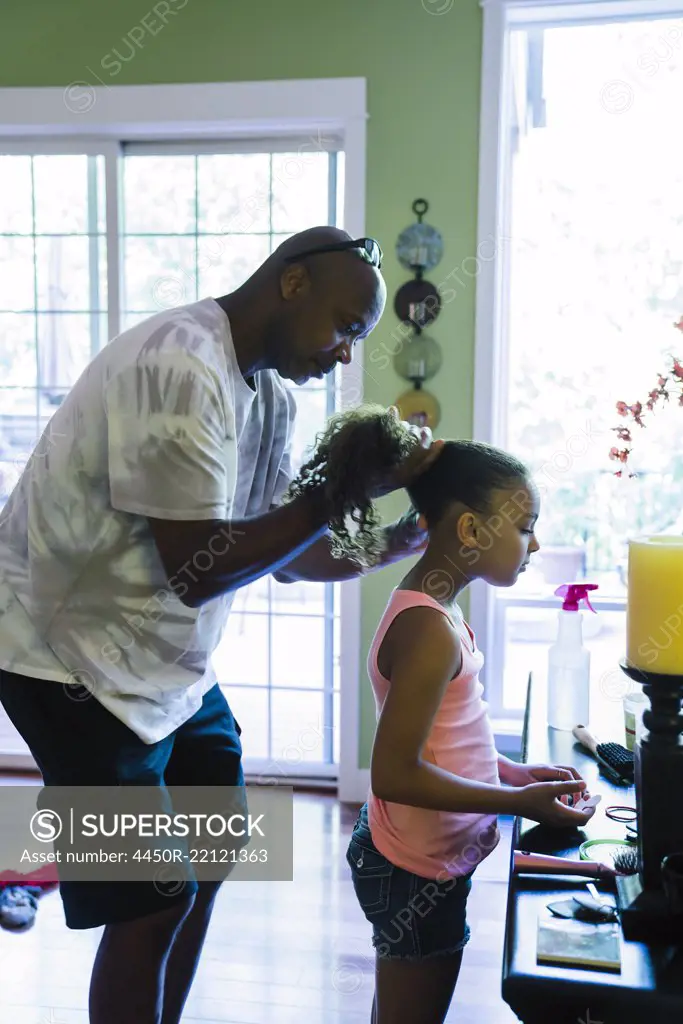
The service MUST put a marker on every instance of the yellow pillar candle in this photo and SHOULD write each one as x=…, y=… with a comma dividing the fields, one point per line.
x=654, y=615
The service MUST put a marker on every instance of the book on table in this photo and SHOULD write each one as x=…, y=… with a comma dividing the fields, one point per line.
x=573, y=943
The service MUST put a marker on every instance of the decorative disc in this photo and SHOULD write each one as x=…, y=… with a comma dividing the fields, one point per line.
x=419, y=247
x=419, y=407
x=417, y=302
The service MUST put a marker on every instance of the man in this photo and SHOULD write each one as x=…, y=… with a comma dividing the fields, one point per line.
x=154, y=494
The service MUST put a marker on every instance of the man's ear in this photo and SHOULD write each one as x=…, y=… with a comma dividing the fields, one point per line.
x=294, y=281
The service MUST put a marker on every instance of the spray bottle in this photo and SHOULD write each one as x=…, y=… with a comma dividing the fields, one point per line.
x=569, y=662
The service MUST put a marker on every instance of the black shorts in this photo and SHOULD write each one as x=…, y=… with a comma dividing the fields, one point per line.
x=77, y=742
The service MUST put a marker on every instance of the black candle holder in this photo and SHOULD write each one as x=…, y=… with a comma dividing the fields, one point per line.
x=644, y=909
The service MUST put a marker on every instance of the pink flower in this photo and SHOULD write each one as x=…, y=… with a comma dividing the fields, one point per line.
x=636, y=412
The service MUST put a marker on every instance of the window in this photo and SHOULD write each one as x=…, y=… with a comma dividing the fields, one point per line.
x=97, y=238
x=53, y=291
x=587, y=289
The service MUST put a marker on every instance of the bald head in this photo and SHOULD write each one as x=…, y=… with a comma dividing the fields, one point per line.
x=310, y=239
x=316, y=307
x=343, y=275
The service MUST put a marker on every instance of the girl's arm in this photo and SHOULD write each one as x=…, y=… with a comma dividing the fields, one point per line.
x=424, y=655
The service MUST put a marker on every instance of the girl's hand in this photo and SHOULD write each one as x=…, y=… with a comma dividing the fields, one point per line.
x=543, y=802
x=514, y=774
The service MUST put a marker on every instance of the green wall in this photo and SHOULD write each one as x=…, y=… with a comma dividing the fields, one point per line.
x=422, y=69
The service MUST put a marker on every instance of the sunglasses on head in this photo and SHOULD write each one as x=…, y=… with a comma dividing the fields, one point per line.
x=367, y=248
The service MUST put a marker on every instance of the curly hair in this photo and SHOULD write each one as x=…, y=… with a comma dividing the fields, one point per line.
x=355, y=451
x=359, y=448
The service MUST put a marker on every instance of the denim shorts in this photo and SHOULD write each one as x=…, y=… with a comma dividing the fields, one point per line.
x=76, y=741
x=412, y=918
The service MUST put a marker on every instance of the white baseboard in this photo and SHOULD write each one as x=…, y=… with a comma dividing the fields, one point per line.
x=353, y=788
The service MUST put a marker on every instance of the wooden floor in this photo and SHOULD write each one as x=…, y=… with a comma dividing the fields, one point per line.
x=277, y=953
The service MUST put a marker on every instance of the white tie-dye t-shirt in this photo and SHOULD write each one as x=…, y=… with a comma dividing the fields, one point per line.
x=161, y=424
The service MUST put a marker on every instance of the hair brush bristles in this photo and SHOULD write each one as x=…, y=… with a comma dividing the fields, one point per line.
x=627, y=862
x=619, y=758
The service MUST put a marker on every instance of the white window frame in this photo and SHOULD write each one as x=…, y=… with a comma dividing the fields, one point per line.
x=500, y=18
x=87, y=119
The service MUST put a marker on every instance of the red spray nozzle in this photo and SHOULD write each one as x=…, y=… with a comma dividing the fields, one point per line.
x=573, y=594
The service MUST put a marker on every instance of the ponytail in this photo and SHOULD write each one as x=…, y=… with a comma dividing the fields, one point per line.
x=357, y=449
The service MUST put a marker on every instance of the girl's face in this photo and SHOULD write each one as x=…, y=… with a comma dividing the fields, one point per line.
x=496, y=546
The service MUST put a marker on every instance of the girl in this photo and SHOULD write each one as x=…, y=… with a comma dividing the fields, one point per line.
x=437, y=782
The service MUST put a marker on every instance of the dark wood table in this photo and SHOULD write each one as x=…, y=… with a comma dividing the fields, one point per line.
x=649, y=989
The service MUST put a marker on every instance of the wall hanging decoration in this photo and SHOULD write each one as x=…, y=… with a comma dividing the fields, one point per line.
x=417, y=302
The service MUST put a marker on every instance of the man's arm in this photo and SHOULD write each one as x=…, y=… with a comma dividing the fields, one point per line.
x=206, y=558
x=317, y=564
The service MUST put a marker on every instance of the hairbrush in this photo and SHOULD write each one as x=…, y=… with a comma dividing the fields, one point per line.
x=627, y=862
x=616, y=762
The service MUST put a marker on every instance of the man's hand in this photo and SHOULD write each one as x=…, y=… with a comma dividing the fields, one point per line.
x=407, y=536
x=414, y=465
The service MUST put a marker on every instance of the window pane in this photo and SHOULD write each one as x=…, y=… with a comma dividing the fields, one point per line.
x=63, y=273
x=298, y=651
x=300, y=183
x=18, y=410
x=129, y=320
x=9, y=474
x=529, y=632
x=64, y=348
x=336, y=726
x=298, y=727
x=226, y=262
x=337, y=650
x=234, y=192
x=277, y=240
x=15, y=194
x=242, y=655
x=61, y=193
x=159, y=194
x=597, y=196
x=298, y=597
x=341, y=169
x=98, y=270
x=254, y=598
x=311, y=416
x=250, y=708
x=18, y=434
x=158, y=273
x=101, y=194
x=17, y=350
x=16, y=273
x=49, y=400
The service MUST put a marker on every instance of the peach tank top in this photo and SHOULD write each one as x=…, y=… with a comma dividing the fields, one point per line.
x=439, y=844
